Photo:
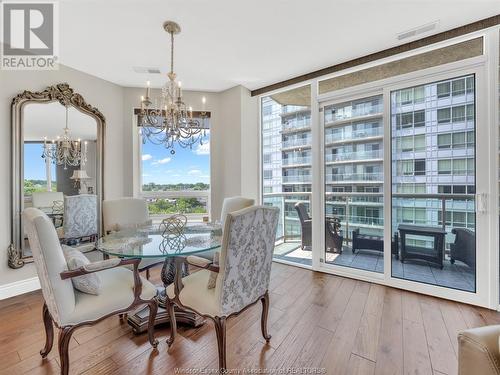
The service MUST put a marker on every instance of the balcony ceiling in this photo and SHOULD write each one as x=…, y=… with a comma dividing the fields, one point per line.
x=253, y=43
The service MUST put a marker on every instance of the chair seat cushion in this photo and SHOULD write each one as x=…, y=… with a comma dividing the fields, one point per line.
x=196, y=295
x=117, y=293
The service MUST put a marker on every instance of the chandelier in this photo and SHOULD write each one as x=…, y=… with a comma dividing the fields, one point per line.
x=65, y=151
x=168, y=120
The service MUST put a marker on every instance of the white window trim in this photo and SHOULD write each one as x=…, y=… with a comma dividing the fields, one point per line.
x=137, y=181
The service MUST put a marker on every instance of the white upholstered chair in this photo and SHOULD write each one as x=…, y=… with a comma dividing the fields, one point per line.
x=232, y=204
x=124, y=213
x=243, y=274
x=120, y=291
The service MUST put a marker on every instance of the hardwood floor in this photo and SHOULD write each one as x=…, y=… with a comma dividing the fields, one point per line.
x=316, y=321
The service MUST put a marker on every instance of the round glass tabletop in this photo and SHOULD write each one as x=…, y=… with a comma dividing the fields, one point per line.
x=152, y=242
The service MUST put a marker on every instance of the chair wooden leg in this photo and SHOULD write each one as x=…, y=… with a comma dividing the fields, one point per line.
x=147, y=274
x=220, y=331
x=64, y=339
x=265, y=313
x=173, y=322
x=49, y=332
x=153, y=309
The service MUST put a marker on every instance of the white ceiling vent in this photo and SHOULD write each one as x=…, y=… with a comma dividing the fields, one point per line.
x=145, y=69
x=418, y=30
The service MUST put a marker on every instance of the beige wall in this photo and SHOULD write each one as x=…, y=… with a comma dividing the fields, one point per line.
x=234, y=147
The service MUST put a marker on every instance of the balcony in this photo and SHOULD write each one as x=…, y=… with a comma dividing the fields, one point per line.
x=296, y=161
x=359, y=135
x=296, y=125
x=296, y=143
x=345, y=206
x=297, y=179
x=377, y=177
x=354, y=156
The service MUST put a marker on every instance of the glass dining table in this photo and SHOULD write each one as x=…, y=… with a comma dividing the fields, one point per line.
x=154, y=242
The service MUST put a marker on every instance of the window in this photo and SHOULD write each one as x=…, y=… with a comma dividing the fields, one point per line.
x=419, y=142
x=458, y=113
x=444, y=166
x=419, y=118
x=444, y=189
x=268, y=174
x=443, y=89
x=459, y=166
x=267, y=158
x=458, y=87
x=39, y=173
x=459, y=189
x=470, y=112
x=444, y=140
x=176, y=183
x=419, y=167
x=458, y=140
x=443, y=115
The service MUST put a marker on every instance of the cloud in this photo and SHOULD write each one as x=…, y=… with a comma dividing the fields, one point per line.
x=203, y=149
x=146, y=157
x=194, y=172
x=162, y=161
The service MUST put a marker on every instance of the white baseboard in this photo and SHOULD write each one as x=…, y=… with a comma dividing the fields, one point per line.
x=19, y=287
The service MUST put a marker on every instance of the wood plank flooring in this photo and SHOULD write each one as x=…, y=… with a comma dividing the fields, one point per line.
x=316, y=321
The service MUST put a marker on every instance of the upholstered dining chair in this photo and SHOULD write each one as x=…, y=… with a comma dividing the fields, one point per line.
x=80, y=217
x=242, y=275
x=126, y=213
x=232, y=204
x=120, y=290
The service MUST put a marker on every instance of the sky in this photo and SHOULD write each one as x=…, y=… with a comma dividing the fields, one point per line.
x=34, y=165
x=158, y=164
x=185, y=166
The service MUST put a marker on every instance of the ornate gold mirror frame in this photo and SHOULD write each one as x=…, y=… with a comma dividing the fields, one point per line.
x=65, y=95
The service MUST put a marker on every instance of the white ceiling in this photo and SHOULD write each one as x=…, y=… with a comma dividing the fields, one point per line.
x=48, y=120
x=254, y=43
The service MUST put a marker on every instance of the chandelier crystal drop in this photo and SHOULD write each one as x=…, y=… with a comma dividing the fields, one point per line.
x=65, y=151
x=168, y=120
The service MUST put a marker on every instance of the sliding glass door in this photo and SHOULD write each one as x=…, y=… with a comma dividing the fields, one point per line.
x=353, y=134
x=433, y=183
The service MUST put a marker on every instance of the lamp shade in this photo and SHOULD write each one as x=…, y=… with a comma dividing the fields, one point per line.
x=79, y=174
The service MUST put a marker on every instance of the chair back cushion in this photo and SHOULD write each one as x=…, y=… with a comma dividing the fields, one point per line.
x=50, y=262
x=123, y=213
x=246, y=257
x=233, y=204
x=80, y=215
x=46, y=199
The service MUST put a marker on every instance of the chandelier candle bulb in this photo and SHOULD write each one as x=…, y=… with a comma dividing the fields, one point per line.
x=148, y=89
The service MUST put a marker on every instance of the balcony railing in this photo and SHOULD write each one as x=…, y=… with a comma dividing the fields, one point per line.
x=296, y=142
x=355, y=177
x=357, y=155
x=355, y=134
x=299, y=123
x=297, y=178
x=296, y=160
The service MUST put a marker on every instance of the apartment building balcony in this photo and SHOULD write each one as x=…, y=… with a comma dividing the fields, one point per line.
x=368, y=116
x=376, y=177
x=345, y=157
x=296, y=162
x=455, y=274
x=294, y=179
x=296, y=126
x=363, y=135
x=296, y=143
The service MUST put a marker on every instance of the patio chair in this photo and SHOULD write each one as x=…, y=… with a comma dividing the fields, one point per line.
x=306, y=226
x=464, y=247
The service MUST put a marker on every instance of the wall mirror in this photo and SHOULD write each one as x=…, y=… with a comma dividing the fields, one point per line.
x=57, y=164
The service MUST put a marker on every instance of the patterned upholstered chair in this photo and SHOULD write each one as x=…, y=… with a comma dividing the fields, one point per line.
x=80, y=217
x=123, y=213
x=121, y=289
x=242, y=274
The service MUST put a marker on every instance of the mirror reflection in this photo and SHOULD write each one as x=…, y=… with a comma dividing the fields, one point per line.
x=59, y=169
